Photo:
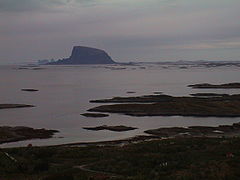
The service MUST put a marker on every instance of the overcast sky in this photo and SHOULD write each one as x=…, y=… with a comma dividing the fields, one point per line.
x=129, y=30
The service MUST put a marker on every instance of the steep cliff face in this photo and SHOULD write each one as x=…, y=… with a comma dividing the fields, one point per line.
x=87, y=55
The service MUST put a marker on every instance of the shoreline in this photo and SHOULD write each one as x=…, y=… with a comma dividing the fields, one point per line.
x=21, y=133
x=231, y=131
x=165, y=105
x=221, y=131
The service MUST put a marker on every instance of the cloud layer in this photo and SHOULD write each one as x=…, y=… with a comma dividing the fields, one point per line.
x=146, y=30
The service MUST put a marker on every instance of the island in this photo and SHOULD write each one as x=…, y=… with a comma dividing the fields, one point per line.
x=208, y=95
x=9, y=106
x=110, y=128
x=95, y=115
x=197, y=131
x=85, y=55
x=30, y=90
x=216, y=86
x=20, y=133
x=165, y=105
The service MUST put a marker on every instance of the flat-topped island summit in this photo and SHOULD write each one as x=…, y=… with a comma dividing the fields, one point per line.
x=85, y=55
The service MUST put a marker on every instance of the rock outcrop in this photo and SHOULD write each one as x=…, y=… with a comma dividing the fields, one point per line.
x=21, y=133
x=164, y=105
x=216, y=86
x=86, y=55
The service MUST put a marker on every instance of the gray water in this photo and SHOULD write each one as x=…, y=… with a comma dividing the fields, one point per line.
x=65, y=91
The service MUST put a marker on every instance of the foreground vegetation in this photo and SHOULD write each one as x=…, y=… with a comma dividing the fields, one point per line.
x=180, y=158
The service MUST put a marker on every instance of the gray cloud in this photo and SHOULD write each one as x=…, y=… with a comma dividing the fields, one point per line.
x=146, y=29
x=27, y=5
x=35, y=5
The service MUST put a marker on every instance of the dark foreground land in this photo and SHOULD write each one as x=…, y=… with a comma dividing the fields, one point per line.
x=20, y=133
x=179, y=158
x=164, y=105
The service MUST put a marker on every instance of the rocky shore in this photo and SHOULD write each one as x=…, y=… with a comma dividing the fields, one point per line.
x=135, y=99
x=164, y=105
x=222, y=131
x=197, y=131
x=208, y=95
x=120, y=142
x=20, y=133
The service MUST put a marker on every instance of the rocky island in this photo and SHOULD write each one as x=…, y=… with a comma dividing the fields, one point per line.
x=216, y=86
x=197, y=131
x=110, y=128
x=208, y=95
x=85, y=55
x=164, y=105
x=20, y=133
x=95, y=115
x=30, y=90
x=9, y=106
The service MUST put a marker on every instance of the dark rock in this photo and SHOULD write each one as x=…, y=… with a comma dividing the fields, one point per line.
x=8, y=106
x=198, y=131
x=214, y=86
x=157, y=92
x=20, y=133
x=142, y=99
x=162, y=105
x=110, y=128
x=95, y=115
x=131, y=92
x=208, y=95
x=30, y=90
x=37, y=68
x=86, y=55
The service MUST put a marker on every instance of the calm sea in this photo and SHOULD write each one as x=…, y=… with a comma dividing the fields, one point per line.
x=65, y=91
